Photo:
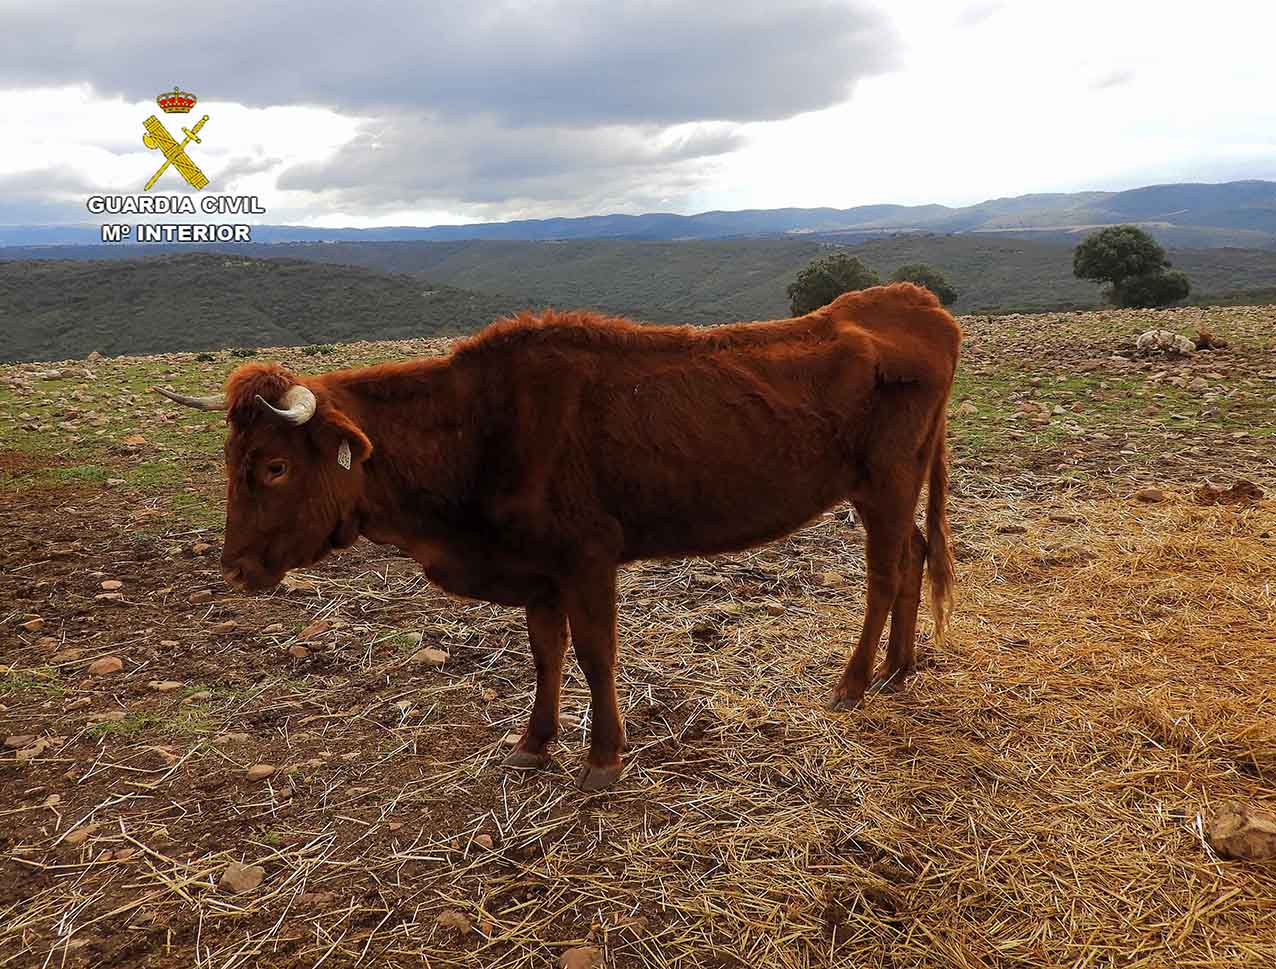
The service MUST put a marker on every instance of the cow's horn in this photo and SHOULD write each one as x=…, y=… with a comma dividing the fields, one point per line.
x=298, y=405
x=200, y=403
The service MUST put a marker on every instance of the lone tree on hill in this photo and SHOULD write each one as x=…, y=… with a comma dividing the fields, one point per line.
x=932, y=279
x=827, y=278
x=1132, y=264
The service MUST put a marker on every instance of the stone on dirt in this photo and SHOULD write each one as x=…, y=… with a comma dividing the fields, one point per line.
x=830, y=579
x=32, y=625
x=582, y=957
x=430, y=656
x=201, y=596
x=259, y=772
x=165, y=686
x=484, y=841
x=450, y=918
x=1150, y=495
x=224, y=628
x=105, y=666
x=80, y=835
x=1242, y=831
x=316, y=628
x=298, y=651
x=18, y=740
x=1163, y=341
x=239, y=878
x=110, y=585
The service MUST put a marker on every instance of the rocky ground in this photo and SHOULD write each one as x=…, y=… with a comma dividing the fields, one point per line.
x=197, y=777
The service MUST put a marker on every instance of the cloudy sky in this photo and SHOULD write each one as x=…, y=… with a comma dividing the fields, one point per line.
x=389, y=112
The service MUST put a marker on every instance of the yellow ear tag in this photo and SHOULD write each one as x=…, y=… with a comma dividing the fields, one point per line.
x=343, y=455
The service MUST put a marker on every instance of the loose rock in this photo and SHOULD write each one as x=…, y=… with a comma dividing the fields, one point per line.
x=105, y=666
x=582, y=957
x=239, y=878
x=314, y=629
x=80, y=835
x=452, y=919
x=1150, y=495
x=1242, y=831
x=259, y=772
x=430, y=656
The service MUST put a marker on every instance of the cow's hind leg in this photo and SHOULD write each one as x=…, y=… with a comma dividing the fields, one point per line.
x=547, y=633
x=887, y=527
x=900, y=649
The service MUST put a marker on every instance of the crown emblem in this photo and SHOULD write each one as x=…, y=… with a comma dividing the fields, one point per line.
x=176, y=101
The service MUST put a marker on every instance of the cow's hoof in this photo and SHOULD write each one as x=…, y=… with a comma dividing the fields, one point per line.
x=842, y=702
x=526, y=760
x=593, y=778
x=887, y=682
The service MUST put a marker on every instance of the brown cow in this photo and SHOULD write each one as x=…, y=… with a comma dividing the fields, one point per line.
x=544, y=452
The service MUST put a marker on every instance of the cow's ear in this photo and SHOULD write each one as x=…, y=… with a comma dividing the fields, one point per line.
x=342, y=437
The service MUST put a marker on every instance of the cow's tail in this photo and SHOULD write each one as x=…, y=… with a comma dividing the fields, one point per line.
x=939, y=556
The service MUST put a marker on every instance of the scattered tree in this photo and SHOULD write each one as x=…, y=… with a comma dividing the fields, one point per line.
x=1133, y=265
x=1150, y=290
x=932, y=279
x=827, y=278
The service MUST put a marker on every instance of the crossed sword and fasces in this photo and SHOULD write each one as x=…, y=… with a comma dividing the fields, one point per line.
x=157, y=136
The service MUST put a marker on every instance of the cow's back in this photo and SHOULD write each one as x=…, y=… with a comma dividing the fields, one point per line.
x=693, y=439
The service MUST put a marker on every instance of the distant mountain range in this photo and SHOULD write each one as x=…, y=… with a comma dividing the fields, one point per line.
x=1188, y=215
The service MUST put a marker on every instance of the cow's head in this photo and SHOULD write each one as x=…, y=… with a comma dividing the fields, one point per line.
x=294, y=473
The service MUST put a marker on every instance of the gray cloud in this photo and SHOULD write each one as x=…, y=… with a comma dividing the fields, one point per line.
x=407, y=162
x=573, y=62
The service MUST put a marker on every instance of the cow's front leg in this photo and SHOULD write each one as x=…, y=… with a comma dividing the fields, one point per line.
x=547, y=634
x=590, y=598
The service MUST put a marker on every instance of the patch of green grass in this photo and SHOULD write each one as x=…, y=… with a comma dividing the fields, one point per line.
x=154, y=476
x=134, y=723
x=321, y=349
x=205, y=357
x=401, y=641
x=195, y=510
x=41, y=683
x=76, y=473
x=243, y=352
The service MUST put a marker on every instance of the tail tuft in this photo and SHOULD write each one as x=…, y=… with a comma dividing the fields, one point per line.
x=939, y=556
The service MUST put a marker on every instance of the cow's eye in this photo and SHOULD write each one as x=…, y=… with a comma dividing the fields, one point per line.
x=276, y=470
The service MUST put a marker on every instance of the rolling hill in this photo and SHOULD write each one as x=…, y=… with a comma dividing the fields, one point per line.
x=55, y=310
x=144, y=301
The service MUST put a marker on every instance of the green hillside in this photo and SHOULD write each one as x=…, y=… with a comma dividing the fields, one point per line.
x=702, y=282
x=327, y=293
x=56, y=310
